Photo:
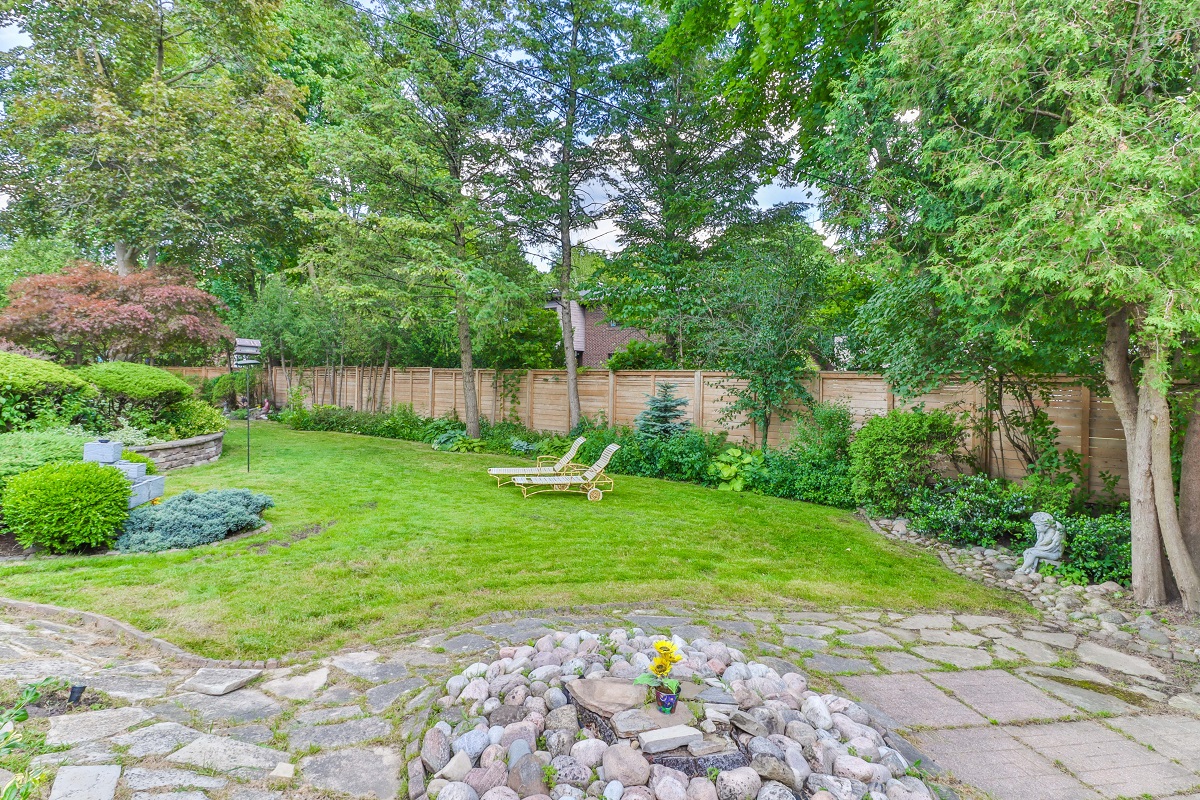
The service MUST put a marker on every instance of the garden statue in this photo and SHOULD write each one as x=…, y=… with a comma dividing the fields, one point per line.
x=1049, y=544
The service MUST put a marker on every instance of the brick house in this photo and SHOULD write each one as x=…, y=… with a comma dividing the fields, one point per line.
x=596, y=337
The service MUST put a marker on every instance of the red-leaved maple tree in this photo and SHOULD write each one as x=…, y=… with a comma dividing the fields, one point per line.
x=88, y=311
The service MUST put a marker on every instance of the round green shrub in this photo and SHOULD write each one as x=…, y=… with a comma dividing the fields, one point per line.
x=21, y=451
x=66, y=508
x=187, y=419
x=893, y=455
x=124, y=384
x=30, y=386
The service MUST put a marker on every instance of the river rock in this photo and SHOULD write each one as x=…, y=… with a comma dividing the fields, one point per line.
x=622, y=763
x=738, y=784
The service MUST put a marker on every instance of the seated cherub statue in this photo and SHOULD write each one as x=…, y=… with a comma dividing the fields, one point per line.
x=1049, y=545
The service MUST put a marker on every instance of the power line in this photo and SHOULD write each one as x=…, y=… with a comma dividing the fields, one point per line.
x=579, y=92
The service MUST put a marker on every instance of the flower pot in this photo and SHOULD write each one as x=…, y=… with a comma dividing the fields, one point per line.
x=666, y=701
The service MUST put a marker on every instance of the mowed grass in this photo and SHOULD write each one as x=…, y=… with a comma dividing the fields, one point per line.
x=401, y=538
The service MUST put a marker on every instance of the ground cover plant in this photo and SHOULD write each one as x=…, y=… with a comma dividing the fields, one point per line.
x=387, y=536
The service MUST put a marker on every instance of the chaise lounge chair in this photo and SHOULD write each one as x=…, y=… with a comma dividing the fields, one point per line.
x=592, y=481
x=544, y=466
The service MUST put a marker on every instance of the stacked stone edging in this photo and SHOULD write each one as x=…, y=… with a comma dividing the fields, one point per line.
x=184, y=452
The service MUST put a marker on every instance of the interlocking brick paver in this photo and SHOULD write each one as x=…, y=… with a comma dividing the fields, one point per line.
x=1174, y=737
x=992, y=760
x=1000, y=696
x=911, y=700
x=1106, y=760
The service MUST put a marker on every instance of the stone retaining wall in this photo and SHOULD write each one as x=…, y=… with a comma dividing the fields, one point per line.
x=184, y=452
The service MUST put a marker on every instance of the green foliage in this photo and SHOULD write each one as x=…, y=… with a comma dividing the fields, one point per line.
x=734, y=468
x=1097, y=550
x=639, y=354
x=457, y=441
x=66, y=507
x=187, y=419
x=126, y=385
x=140, y=458
x=893, y=455
x=225, y=388
x=682, y=457
x=22, y=785
x=30, y=386
x=400, y=423
x=664, y=414
x=21, y=451
x=191, y=519
x=973, y=510
x=815, y=464
x=28, y=255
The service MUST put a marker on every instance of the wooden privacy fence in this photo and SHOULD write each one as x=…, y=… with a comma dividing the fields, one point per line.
x=537, y=399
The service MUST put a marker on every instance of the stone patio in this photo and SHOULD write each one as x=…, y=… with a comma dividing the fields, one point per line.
x=990, y=706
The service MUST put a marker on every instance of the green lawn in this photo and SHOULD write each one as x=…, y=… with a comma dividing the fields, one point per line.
x=402, y=538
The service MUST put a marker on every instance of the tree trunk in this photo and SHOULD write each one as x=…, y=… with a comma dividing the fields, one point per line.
x=1189, y=484
x=151, y=256
x=566, y=166
x=470, y=399
x=1183, y=567
x=126, y=255
x=1149, y=587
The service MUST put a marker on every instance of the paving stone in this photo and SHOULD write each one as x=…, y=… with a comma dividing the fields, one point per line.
x=1175, y=737
x=86, y=753
x=92, y=725
x=298, y=687
x=1186, y=702
x=254, y=734
x=809, y=616
x=1000, y=696
x=30, y=670
x=956, y=638
x=126, y=688
x=735, y=626
x=903, y=662
x=1106, y=657
x=992, y=760
x=219, y=682
x=321, y=716
x=156, y=740
x=244, y=705
x=838, y=665
x=651, y=621
x=804, y=643
x=254, y=794
x=170, y=796
x=961, y=657
x=1083, y=699
x=1106, y=760
x=361, y=772
x=920, y=621
x=975, y=622
x=815, y=631
x=1037, y=652
x=366, y=665
x=1064, y=640
x=870, y=639
x=86, y=783
x=468, y=643
x=380, y=698
x=341, y=734
x=912, y=701
x=137, y=778
x=226, y=755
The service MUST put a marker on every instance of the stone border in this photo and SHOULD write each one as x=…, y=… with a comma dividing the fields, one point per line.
x=184, y=452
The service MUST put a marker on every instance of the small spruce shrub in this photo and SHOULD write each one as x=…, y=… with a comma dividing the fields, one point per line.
x=191, y=519
x=664, y=415
x=895, y=454
x=66, y=508
x=125, y=384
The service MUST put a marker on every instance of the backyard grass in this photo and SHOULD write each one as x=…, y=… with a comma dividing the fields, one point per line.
x=375, y=537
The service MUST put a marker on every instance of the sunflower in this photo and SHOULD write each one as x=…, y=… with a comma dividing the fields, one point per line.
x=660, y=667
x=668, y=652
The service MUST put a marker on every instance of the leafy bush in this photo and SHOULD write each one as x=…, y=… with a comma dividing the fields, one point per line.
x=192, y=519
x=893, y=455
x=66, y=507
x=815, y=464
x=21, y=451
x=639, y=355
x=125, y=384
x=734, y=467
x=139, y=458
x=128, y=434
x=972, y=510
x=400, y=423
x=1097, y=550
x=187, y=419
x=224, y=388
x=682, y=457
x=30, y=386
x=457, y=441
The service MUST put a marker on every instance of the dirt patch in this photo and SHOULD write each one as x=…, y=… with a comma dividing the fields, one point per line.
x=295, y=536
x=9, y=547
x=55, y=703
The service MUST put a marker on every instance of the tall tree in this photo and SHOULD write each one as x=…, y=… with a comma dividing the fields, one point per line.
x=566, y=49
x=149, y=129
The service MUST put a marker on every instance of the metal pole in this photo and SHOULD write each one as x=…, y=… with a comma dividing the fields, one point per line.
x=247, y=373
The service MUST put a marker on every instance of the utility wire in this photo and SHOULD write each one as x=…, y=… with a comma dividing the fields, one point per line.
x=579, y=92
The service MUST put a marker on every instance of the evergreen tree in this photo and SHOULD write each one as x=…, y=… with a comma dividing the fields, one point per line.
x=663, y=416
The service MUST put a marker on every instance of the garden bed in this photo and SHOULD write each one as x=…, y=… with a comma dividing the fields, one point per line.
x=184, y=452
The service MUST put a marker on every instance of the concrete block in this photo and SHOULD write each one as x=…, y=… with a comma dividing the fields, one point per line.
x=133, y=470
x=146, y=489
x=102, y=452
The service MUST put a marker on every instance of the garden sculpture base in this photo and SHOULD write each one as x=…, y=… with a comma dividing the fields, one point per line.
x=142, y=487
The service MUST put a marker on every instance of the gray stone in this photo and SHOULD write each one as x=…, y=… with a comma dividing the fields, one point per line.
x=435, y=750
x=563, y=718
x=622, y=763
x=749, y=724
x=774, y=790
x=86, y=753
x=661, y=740
x=244, y=705
x=224, y=755
x=607, y=696
x=298, y=687
x=472, y=743
x=961, y=657
x=340, y=734
x=124, y=687
x=1080, y=697
x=218, y=682
x=555, y=698
x=527, y=778
x=838, y=665
x=569, y=771
x=1064, y=640
x=956, y=638
x=456, y=769
x=254, y=794
x=870, y=639
x=380, y=698
x=321, y=716
x=366, y=665
x=170, y=796
x=738, y=784
x=137, y=778
x=920, y=621
x=254, y=734
x=903, y=662
x=1037, y=652
x=457, y=790
x=86, y=783
x=92, y=725
x=613, y=790
x=1116, y=660
x=467, y=643
x=360, y=772
x=770, y=768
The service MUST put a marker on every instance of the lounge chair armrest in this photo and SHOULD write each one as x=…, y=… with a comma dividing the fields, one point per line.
x=547, y=461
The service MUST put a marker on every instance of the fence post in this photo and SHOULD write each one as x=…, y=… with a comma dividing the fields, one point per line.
x=529, y=376
x=612, y=397
x=1085, y=434
x=698, y=410
x=432, y=392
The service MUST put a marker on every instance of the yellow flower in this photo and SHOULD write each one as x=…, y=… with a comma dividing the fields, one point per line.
x=660, y=667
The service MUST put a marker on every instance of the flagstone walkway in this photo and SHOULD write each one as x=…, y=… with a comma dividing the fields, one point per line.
x=990, y=706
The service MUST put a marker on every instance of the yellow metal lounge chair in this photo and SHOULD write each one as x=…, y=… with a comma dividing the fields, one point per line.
x=546, y=465
x=592, y=481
